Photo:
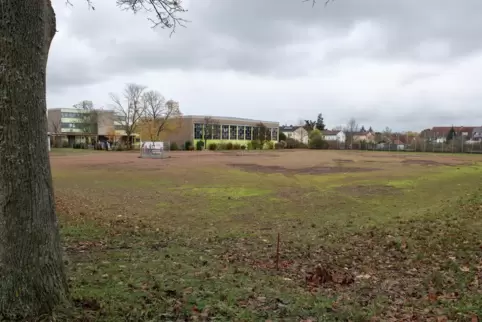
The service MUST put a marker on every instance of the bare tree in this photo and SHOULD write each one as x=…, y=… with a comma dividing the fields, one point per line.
x=56, y=131
x=387, y=135
x=209, y=126
x=351, y=129
x=130, y=109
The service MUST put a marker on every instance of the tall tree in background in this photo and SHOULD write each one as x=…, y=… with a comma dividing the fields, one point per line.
x=362, y=130
x=31, y=263
x=130, y=109
x=309, y=125
x=320, y=125
x=209, y=125
x=159, y=115
x=351, y=129
x=387, y=135
x=451, y=135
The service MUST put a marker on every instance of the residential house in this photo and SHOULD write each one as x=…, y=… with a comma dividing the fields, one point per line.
x=334, y=136
x=477, y=134
x=368, y=137
x=439, y=134
x=297, y=133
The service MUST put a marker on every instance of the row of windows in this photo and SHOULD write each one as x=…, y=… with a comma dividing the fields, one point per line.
x=233, y=132
x=72, y=115
x=73, y=125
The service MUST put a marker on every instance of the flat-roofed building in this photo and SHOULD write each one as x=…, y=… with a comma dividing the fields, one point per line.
x=218, y=129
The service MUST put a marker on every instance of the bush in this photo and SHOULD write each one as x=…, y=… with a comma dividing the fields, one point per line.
x=173, y=146
x=269, y=145
x=236, y=146
x=317, y=142
x=199, y=145
x=212, y=146
x=282, y=136
x=191, y=148
x=279, y=145
x=188, y=145
x=255, y=145
x=243, y=147
x=249, y=146
x=221, y=146
x=293, y=144
x=229, y=146
x=65, y=144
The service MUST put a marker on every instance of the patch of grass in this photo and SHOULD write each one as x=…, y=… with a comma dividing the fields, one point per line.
x=179, y=245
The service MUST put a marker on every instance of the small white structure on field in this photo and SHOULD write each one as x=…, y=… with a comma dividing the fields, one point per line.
x=154, y=150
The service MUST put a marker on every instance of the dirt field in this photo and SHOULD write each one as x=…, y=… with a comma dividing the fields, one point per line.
x=363, y=235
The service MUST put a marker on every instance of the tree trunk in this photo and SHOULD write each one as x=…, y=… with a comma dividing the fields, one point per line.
x=31, y=268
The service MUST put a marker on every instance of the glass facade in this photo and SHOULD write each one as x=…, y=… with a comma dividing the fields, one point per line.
x=233, y=132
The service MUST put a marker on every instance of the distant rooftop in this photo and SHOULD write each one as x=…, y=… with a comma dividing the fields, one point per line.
x=228, y=118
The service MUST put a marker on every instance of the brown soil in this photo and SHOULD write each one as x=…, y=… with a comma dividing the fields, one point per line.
x=311, y=170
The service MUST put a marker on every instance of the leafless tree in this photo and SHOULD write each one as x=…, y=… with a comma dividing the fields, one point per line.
x=130, y=109
x=350, y=129
x=209, y=125
x=158, y=111
x=387, y=135
x=56, y=131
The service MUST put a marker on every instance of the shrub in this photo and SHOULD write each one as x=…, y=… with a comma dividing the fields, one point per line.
x=229, y=146
x=174, y=146
x=199, y=145
x=255, y=145
x=188, y=145
x=222, y=146
x=212, y=146
x=282, y=136
x=65, y=144
x=120, y=147
x=294, y=144
x=243, y=147
x=269, y=145
x=236, y=146
x=279, y=145
x=191, y=148
x=249, y=146
x=317, y=142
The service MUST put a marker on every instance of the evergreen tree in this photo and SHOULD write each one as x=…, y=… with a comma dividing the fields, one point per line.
x=320, y=125
x=363, y=129
x=451, y=135
x=370, y=129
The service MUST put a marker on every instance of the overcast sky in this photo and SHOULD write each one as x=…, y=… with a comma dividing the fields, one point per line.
x=406, y=64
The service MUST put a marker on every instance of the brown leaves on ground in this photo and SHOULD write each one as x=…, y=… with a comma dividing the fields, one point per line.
x=322, y=275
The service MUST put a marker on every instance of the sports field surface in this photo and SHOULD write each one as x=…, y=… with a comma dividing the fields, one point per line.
x=363, y=236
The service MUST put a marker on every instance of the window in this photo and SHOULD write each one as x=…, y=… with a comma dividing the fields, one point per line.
x=198, y=131
x=249, y=133
x=216, y=132
x=233, y=131
x=275, y=134
x=241, y=132
x=225, y=132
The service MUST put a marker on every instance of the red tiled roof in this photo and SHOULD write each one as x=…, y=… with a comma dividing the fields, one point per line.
x=446, y=129
x=327, y=132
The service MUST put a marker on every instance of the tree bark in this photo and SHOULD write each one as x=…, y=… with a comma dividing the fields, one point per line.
x=32, y=275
